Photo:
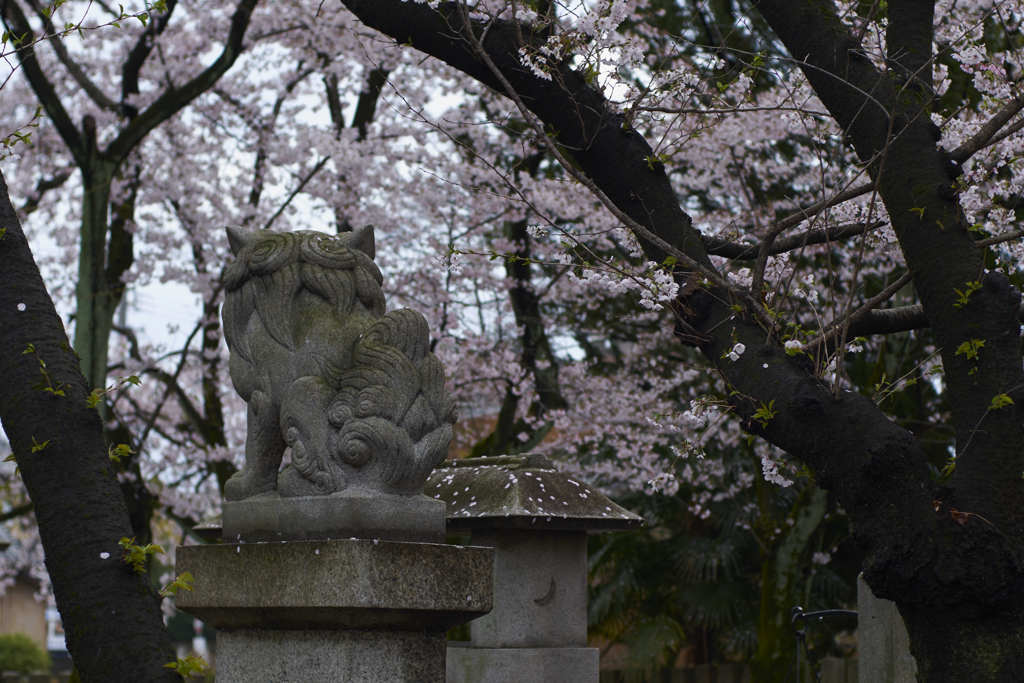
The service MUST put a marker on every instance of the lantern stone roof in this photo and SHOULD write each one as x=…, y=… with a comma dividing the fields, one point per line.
x=522, y=492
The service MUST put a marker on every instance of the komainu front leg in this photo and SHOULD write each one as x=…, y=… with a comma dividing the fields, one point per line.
x=264, y=447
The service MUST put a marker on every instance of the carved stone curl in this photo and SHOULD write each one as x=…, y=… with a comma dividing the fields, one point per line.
x=352, y=390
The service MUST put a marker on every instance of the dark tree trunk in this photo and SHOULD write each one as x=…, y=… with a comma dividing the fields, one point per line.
x=111, y=615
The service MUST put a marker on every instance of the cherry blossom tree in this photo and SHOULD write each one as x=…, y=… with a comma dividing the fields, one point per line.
x=947, y=552
x=644, y=234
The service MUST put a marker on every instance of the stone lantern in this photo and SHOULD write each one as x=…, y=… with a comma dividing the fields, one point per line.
x=537, y=520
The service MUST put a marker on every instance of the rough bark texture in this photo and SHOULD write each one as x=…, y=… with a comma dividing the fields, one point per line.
x=958, y=580
x=111, y=616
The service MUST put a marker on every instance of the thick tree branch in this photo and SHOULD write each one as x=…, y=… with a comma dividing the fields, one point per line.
x=57, y=42
x=137, y=56
x=914, y=180
x=587, y=126
x=366, y=106
x=877, y=470
x=16, y=511
x=747, y=252
x=614, y=160
x=121, y=238
x=833, y=60
x=897, y=319
x=909, y=44
x=537, y=356
x=176, y=99
x=42, y=187
x=986, y=135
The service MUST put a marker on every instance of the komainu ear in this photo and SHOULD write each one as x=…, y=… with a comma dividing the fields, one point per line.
x=362, y=239
x=237, y=239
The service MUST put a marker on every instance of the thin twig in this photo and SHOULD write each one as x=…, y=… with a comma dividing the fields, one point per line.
x=836, y=326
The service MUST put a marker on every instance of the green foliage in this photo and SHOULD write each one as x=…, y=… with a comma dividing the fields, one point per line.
x=46, y=384
x=182, y=582
x=97, y=394
x=948, y=468
x=655, y=161
x=1000, y=401
x=964, y=296
x=137, y=556
x=20, y=653
x=20, y=136
x=970, y=348
x=694, y=581
x=192, y=666
x=678, y=582
x=121, y=450
x=765, y=413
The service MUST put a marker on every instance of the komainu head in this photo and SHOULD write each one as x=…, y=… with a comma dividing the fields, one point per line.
x=353, y=391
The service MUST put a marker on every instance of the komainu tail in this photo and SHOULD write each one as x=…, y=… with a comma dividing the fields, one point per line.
x=392, y=413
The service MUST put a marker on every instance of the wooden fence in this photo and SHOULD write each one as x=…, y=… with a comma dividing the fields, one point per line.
x=833, y=670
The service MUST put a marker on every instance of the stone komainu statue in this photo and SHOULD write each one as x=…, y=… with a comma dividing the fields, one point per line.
x=354, y=391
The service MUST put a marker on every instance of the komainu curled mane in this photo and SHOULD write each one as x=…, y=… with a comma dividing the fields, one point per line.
x=352, y=390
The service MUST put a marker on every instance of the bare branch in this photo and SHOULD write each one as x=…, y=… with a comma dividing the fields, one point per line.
x=296, y=191
x=799, y=215
x=137, y=57
x=176, y=99
x=747, y=252
x=42, y=187
x=846, y=322
x=728, y=110
x=57, y=41
x=17, y=511
x=17, y=23
x=986, y=135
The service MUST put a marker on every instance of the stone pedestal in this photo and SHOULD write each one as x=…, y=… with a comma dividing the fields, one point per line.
x=308, y=655
x=334, y=610
x=348, y=513
x=468, y=663
x=883, y=646
x=543, y=600
x=537, y=630
x=537, y=520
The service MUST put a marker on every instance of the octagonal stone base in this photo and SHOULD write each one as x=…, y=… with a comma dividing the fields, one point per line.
x=352, y=610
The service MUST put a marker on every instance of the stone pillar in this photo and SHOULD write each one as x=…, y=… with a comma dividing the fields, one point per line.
x=883, y=646
x=334, y=609
x=537, y=520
